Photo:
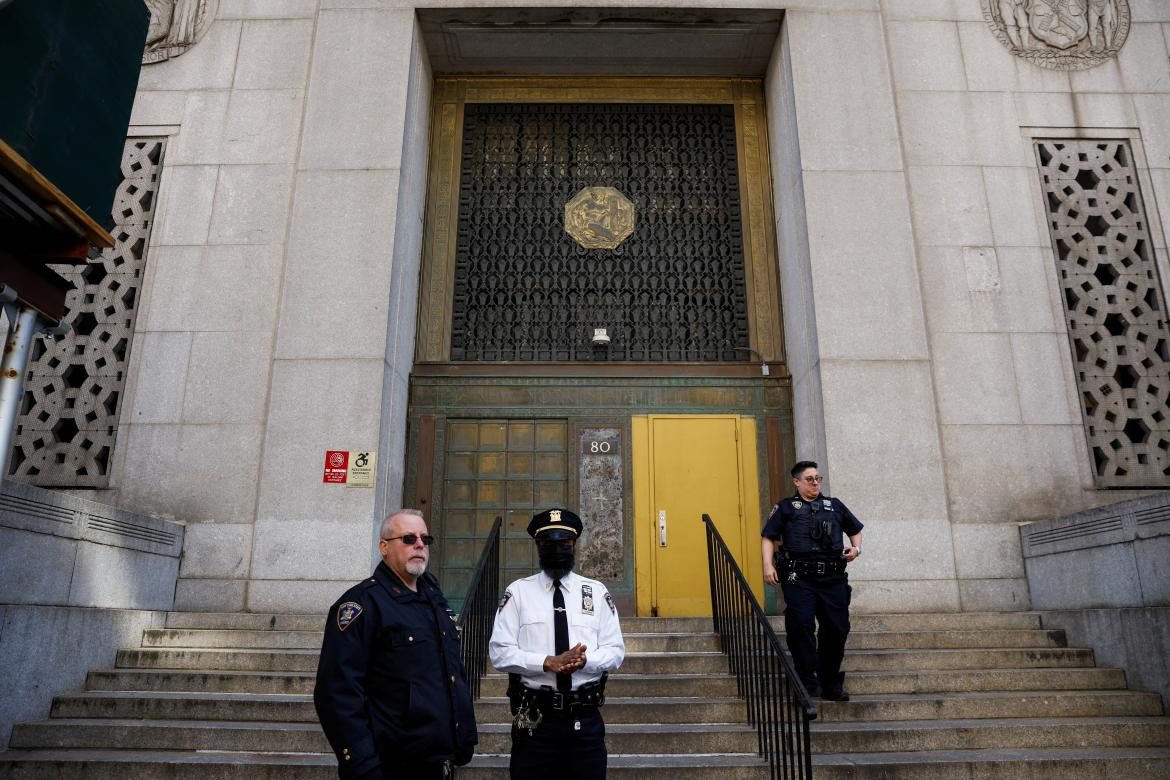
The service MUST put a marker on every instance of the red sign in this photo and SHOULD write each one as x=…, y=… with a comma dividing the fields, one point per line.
x=336, y=465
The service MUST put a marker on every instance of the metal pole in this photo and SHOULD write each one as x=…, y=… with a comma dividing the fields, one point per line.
x=22, y=326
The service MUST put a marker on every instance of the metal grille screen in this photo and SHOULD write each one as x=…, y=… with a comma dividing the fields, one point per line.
x=1114, y=307
x=73, y=392
x=525, y=290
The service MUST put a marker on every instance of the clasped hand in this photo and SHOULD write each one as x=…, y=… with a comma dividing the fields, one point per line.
x=569, y=661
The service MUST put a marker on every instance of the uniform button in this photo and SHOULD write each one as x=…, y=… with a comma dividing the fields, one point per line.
x=347, y=756
x=410, y=639
x=452, y=678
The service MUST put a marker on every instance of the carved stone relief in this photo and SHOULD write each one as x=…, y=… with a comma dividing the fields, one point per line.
x=175, y=26
x=1060, y=34
x=1114, y=307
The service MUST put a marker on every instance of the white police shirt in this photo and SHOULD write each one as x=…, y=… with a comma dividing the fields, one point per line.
x=523, y=634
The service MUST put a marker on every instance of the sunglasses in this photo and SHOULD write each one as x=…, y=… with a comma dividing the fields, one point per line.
x=410, y=539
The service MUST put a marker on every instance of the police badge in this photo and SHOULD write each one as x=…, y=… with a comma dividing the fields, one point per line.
x=797, y=504
x=586, y=599
x=347, y=613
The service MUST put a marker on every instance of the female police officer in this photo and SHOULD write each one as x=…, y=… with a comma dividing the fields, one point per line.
x=810, y=568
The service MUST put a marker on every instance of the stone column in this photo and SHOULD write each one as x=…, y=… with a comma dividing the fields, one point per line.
x=864, y=396
x=344, y=342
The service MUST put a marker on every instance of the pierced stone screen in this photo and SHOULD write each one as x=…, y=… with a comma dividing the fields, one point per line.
x=1114, y=306
x=73, y=391
x=672, y=288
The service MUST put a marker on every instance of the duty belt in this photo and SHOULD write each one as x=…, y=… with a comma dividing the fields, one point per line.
x=556, y=703
x=814, y=567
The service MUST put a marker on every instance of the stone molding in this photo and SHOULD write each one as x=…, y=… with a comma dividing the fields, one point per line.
x=1060, y=34
x=29, y=508
x=1127, y=521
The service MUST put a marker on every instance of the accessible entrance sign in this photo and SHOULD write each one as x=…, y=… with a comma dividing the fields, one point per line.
x=349, y=468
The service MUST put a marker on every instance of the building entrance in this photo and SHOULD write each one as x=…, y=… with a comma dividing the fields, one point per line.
x=599, y=288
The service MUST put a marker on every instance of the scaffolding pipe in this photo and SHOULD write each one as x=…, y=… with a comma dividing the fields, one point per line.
x=22, y=326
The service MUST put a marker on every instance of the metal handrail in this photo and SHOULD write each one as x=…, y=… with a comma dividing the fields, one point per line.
x=777, y=703
x=479, y=609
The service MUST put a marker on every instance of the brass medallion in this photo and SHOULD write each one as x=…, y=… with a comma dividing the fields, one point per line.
x=599, y=218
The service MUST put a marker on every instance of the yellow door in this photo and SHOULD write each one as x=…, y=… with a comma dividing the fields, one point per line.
x=686, y=466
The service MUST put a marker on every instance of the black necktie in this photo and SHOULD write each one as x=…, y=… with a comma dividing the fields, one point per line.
x=561, y=632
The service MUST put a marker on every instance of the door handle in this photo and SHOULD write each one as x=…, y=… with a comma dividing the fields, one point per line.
x=661, y=527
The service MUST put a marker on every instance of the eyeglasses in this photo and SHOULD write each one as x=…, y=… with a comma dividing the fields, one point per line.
x=410, y=539
x=814, y=479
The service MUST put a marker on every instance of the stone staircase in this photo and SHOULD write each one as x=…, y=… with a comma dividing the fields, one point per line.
x=934, y=696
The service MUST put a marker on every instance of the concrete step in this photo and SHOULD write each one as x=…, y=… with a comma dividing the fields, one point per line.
x=994, y=764
x=625, y=684
x=231, y=765
x=228, y=660
x=302, y=682
x=1134, y=763
x=955, y=639
x=932, y=681
x=245, y=659
x=200, y=681
x=991, y=704
x=964, y=658
x=311, y=640
x=80, y=733
x=1018, y=763
x=932, y=621
x=121, y=734
x=246, y=620
x=972, y=734
x=161, y=705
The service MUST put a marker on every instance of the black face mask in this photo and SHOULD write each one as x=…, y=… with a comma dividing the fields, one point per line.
x=556, y=557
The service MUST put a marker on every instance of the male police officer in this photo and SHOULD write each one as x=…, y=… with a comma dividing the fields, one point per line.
x=810, y=567
x=391, y=691
x=557, y=635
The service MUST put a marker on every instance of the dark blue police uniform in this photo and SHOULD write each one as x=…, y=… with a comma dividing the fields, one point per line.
x=816, y=588
x=391, y=692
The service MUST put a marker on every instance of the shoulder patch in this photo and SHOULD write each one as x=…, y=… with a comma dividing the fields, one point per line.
x=347, y=613
x=609, y=600
x=504, y=600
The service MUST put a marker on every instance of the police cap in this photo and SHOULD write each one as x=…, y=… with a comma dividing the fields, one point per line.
x=555, y=524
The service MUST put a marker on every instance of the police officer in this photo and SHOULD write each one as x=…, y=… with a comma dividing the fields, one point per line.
x=391, y=692
x=804, y=553
x=557, y=635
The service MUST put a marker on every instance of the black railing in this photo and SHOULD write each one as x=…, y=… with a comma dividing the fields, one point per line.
x=479, y=609
x=778, y=705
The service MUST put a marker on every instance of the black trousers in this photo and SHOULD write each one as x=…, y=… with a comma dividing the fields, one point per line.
x=817, y=599
x=570, y=748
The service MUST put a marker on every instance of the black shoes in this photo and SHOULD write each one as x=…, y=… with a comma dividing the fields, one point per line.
x=835, y=696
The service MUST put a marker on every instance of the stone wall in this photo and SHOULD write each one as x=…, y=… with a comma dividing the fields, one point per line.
x=931, y=352
x=1103, y=576
x=78, y=580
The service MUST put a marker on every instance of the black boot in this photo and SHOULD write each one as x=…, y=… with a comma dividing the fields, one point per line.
x=836, y=692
